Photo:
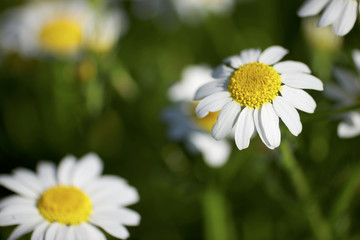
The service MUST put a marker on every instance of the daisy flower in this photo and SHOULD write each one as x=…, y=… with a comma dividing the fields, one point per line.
x=341, y=14
x=46, y=28
x=68, y=202
x=252, y=91
x=185, y=126
x=348, y=93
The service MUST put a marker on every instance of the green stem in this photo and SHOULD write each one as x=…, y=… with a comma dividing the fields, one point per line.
x=217, y=222
x=312, y=210
x=346, y=195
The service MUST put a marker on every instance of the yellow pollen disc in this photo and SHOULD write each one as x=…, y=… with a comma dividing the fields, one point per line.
x=61, y=36
x=254, y=84
x=66, y=205
x=206, y=123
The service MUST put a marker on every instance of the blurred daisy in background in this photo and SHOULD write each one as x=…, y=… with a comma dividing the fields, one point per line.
x=46, y=28
x=252, y=90
x=185, y=126
x=67, y=202
x=347, y=94
x=341, y=14
x=59, y=28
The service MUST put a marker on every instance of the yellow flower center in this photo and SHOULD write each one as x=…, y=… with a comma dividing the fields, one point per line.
x=206, y=123
x=62, y=36
x=254, y=84
x=66, y=205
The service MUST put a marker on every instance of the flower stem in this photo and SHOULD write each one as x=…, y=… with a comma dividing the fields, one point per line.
x=312, y=210
x=343, y=201
x=217, y=222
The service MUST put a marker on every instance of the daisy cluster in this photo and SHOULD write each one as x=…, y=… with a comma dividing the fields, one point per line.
x=245, y=96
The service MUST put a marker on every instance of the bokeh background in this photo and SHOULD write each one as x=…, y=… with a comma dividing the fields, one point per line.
x=110, y=103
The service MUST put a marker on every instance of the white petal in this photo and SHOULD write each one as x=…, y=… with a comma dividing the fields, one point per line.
x=120, y=197
x=222, y=72
x=117, y=215
x=356, y=58
x=348, y=80
x=226, y=120
x=260, y=129
x=47, y=173
x=115, y=230
x=39, y=232
x=16, y=200
x=16, y=186
x=331, y=13
x=302, y=80
x=70, y=233
x=192, y=78
x=235, y=61
x=61, y=232
x=52, y=231
x=65, y=170
x=291, y=66
x=23, y=229
x=347, y=19
x=299, y=99
x=211, y=88
x=270, y=124
x=244, y=128
x=103, y=183
x=288, y=115
x=272, y=55
x=350, y=127
x=212, y=103
x=111, y=190
x=87, y=231
x=215, y=153
x=90, y=166
x=250, y=55
x=18, y=215
x=311, y=7
x=29, y=179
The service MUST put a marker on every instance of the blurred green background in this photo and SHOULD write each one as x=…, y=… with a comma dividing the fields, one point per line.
x=110, y=104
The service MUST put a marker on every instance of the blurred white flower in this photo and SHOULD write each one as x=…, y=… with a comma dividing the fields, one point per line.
x=185, y=126
x=247, y=93
x=341, y=14
x=46, y=28
x=67, y=202
x=105, y=30
x=348, y=93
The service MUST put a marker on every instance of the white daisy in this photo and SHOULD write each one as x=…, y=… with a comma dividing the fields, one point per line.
x=67, y=202
x=253, y=90
x=106, y=29
x=348, y=93
x=185, y=126
x=46, y=27
x=341, y=14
